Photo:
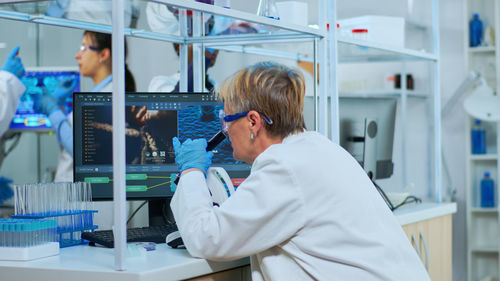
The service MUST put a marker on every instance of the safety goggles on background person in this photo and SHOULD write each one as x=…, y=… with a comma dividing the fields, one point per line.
x=83, y=48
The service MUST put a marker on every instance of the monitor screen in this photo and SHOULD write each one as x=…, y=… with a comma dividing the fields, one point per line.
x=152, y=120
x=35, y=80
x=366, y=131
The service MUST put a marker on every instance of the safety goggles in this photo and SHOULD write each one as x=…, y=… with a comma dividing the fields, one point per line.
x=83, y=48
x=226, y=119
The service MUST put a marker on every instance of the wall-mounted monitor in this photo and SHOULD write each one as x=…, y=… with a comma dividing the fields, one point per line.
x=366, y=131
x=36, y=81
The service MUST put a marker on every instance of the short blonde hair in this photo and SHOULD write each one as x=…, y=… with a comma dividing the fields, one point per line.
x=272, y=89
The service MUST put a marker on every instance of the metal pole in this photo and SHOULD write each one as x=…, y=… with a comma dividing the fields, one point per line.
x=119, y=184
x=323, y=77
x=183, y=54
x=332, y=64
x=404, y=134
x=197, y=53
x=315, y=83
x=437, y=103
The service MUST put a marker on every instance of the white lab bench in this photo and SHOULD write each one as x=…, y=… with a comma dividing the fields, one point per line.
x=84, y=263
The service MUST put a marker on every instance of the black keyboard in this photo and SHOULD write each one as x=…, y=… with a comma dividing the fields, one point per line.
x=155, y=234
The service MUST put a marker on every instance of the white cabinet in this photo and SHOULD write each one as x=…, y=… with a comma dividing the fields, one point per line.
x=483, y=224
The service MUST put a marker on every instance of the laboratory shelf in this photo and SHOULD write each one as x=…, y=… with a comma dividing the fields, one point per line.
x=243, y=39
x=487, y=49
x=484, y=210
x=235, y=14
x=263, y=51
x=383, y=94
x=350, y=50
x=485, y=157
x=492, y=249
x=355, y=51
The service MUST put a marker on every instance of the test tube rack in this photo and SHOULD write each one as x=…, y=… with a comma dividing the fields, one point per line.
x=70, y=225
x=27, y=239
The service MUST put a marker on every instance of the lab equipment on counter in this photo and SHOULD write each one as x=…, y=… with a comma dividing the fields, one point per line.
x=487, y=191
x=409, y=81
x=268, y=8
x=478, y=138
x=70, y=204
x=27, y=239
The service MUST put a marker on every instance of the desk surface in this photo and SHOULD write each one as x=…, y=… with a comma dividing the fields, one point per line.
x=80, y=263
x=418, y=212
x=95, y=263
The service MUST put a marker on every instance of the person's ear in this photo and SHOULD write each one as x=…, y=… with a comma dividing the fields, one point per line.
x=255, y=121
x=104, y=55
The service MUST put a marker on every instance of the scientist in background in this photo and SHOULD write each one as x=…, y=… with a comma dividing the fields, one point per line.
x=94, y=61
x=94, y=11
x=307, y=211
x=11, y=88
x=164, y=19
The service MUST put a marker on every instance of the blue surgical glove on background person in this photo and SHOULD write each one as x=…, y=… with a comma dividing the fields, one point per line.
x=192, y=154
x=64, y=89
x=13, y=63
x=44, y=103
x=5, y=190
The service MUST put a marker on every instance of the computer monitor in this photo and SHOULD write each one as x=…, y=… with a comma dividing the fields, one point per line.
x=35, y=80
x=150, y=166
x=366, y=131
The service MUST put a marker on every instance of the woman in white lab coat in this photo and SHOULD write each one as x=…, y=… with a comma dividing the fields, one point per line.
x=11, y=88
x=94, y=61
x=307, y=211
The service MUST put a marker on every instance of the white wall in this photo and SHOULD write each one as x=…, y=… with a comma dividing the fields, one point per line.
x=149, y=58
x=453, y=126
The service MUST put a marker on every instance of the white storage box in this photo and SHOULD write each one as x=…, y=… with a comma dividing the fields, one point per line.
x=384, y=30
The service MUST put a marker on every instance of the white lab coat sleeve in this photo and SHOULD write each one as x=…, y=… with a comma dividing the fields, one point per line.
x=161, y=20
x=266, y=210
x=11, y=89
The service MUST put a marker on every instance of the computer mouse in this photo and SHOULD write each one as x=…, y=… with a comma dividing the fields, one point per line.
x=174, y=240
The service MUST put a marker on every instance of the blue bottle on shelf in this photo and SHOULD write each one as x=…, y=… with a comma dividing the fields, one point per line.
x=487, y=191
x=475, y=31
x=478, y=138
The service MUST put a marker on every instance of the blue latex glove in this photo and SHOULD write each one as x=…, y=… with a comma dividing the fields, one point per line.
x=44, y=103
x=65, y=88
x=192, y=154
x=5, y=190
x=13, y=63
